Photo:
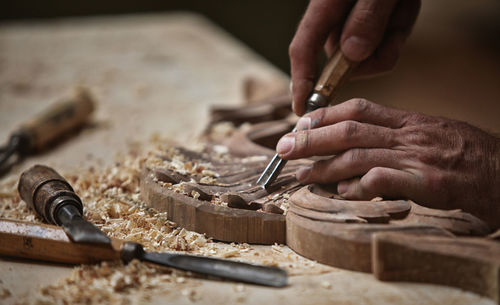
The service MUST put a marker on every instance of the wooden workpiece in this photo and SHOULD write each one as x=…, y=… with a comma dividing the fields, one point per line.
x=472, y=264
x=250, y=213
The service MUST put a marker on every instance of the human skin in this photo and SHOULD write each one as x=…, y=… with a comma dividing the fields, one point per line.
x=371, y=31
x=381, y=151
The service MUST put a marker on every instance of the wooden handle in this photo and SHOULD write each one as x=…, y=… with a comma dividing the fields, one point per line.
x=334, y=74
x=50, y=243
x=44, y=190
x=60, y=118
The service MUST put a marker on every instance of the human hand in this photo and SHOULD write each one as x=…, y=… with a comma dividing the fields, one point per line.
x=380, y=151
x=371, y=31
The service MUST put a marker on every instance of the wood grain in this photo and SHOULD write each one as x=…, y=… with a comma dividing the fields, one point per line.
x=472, y=264
x=343, y=245
x=50, y=243
x=339, y=232
x=219, y=222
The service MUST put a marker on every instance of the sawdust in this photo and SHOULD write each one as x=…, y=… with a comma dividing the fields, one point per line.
x=112, y=202
x=110, y=283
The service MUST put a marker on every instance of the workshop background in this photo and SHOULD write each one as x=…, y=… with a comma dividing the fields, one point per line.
x=449, y=67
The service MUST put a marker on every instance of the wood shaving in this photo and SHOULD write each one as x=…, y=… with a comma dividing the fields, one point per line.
x=4, y=293
x=326, y=285
x=109, y=283
x=112, y=202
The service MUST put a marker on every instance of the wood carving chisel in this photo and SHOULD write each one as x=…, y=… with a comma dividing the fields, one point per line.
x=334, y=74
x=51, y=196
x=59, y=119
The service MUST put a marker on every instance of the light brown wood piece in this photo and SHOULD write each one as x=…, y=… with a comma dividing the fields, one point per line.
x=270, y=109
x=259, y=139
x=50, y=243
x=218, y=222
x=338, y=232
x=306, y=202
x=456, y=221
x=471, y=264
x=343, y=245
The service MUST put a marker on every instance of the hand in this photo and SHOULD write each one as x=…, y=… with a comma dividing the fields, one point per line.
x=372, y=31
x=379, y=151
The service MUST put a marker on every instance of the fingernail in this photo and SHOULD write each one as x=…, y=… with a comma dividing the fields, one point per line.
x=304, y=123
x=342, y=188
x=285, y=144
x=291, y=86
x=303, y=173
x=356, y=48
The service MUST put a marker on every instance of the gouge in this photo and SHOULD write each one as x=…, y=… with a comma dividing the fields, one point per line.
x=334, y=74
x=52, y=198
x=62, y=117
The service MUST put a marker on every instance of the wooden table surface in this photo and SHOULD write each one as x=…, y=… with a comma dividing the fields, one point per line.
x=155, y=74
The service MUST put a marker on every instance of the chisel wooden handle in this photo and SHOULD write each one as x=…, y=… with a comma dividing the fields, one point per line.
x=60, y=118
x=45, y=191
x=50, y=243
x=334, y=74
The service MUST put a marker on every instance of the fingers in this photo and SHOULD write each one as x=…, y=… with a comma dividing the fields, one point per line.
x=359, y=110
x=365, y=28
x=380, y=181
x=320, y=20
x=332, y=139
x=387, y=53
x=351, y=163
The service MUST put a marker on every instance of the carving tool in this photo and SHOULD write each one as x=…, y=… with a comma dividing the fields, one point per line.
x=57, y=120
x=334, y=74
x=51, y=196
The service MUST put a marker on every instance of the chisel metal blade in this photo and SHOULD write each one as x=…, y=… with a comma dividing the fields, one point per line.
x=226, y=269
x=273, y=169
x=236, y=271
x=81, y=231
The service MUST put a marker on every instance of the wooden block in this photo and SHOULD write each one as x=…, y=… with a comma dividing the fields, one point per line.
x=471, y=264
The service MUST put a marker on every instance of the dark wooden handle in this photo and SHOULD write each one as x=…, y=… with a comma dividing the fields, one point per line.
x=60, y=118
x=50, y=243
x=334, y=74
x=44, y=190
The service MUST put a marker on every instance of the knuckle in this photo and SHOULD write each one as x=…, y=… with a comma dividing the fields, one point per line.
x=369, y=19
x=374, y=179
x=355, y=155
x=296, y=51
x=348, y=130
x=358, y=106
x=302, y=143
x=317, y=116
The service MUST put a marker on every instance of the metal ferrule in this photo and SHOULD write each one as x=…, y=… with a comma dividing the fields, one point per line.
x=316, y=101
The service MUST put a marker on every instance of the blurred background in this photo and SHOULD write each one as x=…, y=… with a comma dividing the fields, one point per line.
x=449, y=67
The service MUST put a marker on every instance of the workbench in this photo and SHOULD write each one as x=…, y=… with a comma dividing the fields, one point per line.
x=156, y=75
